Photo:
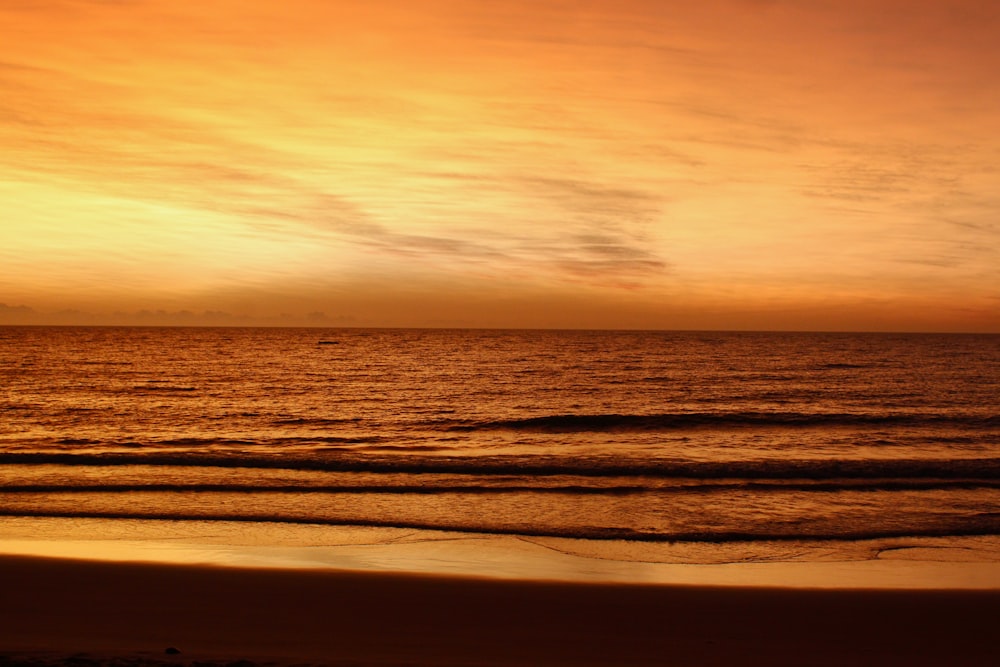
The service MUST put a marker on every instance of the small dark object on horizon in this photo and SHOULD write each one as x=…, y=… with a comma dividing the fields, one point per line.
x=170, y=650
x=328, y=342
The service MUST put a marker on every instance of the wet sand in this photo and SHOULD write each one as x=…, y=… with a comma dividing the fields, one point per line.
x=62, y=611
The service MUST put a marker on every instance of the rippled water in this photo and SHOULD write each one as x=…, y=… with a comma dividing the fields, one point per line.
x=701, y=438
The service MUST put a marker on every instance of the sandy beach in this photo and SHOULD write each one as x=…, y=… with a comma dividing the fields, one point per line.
x=61, y=611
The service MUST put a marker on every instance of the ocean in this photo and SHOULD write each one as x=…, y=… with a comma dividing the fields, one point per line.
x=698, y=447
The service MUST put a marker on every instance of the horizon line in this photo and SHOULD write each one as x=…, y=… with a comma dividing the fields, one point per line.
x=341, y=327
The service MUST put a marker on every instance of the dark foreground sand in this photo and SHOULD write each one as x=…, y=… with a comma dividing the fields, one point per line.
x=81, y=612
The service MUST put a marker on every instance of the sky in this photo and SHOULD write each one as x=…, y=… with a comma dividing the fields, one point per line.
x=653, y=164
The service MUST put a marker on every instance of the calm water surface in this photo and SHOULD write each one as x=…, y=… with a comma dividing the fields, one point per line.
x=721, y=445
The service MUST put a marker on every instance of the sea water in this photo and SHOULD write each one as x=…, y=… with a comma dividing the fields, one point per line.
x=692, y=446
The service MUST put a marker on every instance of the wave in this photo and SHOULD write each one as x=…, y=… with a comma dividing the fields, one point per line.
x=507, y=487
x=162, y=388
x=337, y=460
x=315, y=421
x=574, y=423
x=73, y=444
x=978, y=526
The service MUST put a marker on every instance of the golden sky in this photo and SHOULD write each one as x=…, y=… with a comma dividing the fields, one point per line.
x=747, y=164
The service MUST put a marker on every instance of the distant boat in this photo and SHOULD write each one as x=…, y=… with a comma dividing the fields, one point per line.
x=328, y=342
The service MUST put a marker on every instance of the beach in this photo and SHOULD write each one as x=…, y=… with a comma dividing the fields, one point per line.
x=74, y=611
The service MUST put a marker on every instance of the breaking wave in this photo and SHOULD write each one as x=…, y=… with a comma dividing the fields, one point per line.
x=975, y=526
x=571, y=423
x=537, y=465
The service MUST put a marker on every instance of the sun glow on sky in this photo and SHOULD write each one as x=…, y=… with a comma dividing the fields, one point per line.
x=638, y=163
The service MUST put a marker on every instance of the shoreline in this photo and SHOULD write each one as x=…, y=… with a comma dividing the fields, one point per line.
x=53, y=609
x=915, y=564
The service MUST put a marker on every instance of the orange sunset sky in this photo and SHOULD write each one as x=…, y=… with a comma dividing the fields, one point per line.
x=712, y=164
